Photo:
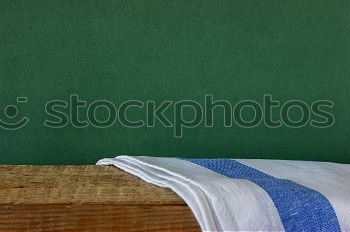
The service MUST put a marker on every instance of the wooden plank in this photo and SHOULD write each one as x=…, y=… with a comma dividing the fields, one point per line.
x=75, y=217
x=87, y=198
x=78, y=184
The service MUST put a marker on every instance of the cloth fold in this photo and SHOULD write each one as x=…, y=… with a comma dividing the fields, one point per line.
x=252, y=195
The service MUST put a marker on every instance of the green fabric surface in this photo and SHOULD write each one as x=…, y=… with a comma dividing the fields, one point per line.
x=173, y=50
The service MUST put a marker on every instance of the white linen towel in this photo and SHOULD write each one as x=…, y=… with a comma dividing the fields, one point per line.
x=252, y=195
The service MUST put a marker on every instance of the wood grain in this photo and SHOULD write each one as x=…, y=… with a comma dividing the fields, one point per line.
x=87, y=198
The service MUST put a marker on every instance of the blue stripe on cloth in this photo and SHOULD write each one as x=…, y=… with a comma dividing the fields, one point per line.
x=300, y=208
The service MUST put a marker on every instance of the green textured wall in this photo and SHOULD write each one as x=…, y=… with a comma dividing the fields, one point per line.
x=173, y=50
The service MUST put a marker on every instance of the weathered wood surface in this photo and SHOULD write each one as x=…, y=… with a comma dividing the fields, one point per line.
x=87, y=198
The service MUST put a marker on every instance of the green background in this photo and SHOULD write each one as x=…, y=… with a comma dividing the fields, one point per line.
x=173, y=50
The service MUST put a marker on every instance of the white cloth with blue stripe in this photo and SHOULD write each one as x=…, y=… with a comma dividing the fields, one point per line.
x=252, y=195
